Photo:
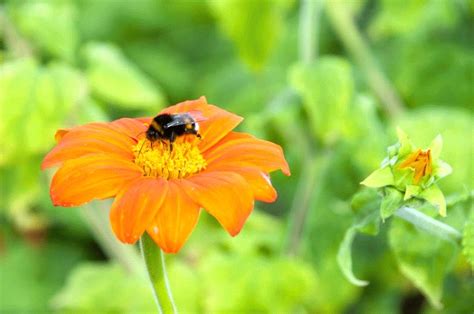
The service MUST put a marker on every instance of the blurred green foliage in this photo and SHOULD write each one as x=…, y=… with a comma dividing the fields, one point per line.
x=65, y=62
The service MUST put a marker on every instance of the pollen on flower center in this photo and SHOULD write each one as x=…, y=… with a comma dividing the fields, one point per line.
x=160, y=159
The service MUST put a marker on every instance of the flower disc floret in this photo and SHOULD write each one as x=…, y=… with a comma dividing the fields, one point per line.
x=169, y=161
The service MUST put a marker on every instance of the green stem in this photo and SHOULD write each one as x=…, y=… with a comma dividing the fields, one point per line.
x=16, y=44
x=155, y=264
x=308, y=29
x=428, y=224
x=352, y=39
x=308, y=189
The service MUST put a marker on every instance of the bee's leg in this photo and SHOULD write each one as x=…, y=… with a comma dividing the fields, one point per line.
x=141, y=149
x=172, y=139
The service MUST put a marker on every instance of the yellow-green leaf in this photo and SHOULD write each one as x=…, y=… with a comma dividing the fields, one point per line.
x=379, y=178
x=422, y=258
x=118, y=81
x=253, y=26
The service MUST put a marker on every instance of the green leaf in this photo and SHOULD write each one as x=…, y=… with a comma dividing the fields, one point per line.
x=58, y=89
x=422, y=258
x=16, y=82
x=445, y=81
x=468, y=241
x=253, y=26
x=435, y=197
x=254, y=284
x=21, y=185
x=31, y=274
x=365, y=201
x=398, y=17
x=50, y=25
x=344, y=257
x=391, y=201
x=93, y=287
x=39, y=98
x=118, y=81
x=379, y=178
x=327, y=89
x=90, y=110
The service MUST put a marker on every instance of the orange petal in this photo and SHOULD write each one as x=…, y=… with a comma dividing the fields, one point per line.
x=217, y=127
x=245, y=150
x=225, y=195
x=259, y=181
x=60, y=134
x=135, y=207
x=410, y=159
x=131, y=127
x=217, y=122
x=93, y=138
x=199, y=104
x=91, y=177
x=175, y=220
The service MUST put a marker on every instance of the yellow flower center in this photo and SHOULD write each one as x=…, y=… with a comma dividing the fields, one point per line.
x=161, y=159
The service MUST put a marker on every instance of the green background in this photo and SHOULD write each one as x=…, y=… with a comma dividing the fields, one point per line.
x=328, y=80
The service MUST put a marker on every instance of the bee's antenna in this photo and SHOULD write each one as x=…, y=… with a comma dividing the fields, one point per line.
x=141, y=147
x=140, y=134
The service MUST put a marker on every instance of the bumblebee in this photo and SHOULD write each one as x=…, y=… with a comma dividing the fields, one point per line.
x=169, y=126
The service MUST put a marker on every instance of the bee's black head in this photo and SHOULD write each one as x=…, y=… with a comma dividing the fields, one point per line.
x=152, y=134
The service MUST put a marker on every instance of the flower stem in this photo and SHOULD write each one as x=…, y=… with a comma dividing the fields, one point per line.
x=309, y=29
x=428, y=224
x=155, y=264
x=351, y=37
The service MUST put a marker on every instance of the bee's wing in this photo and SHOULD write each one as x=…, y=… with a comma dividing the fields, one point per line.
x=175, y=123
x=197, y=115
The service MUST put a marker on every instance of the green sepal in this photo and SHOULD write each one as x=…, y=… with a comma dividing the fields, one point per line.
x=411, y=190
x=435, y=147
x=379, y=178
x=402, y=177
x=441, y=169
x=406, y=147
x=391, y=201
x=435, y=197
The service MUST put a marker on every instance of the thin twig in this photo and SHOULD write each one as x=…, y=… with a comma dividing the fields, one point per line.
x=300, y=206
x=353, y=40
x=17, y=45
x=308, y=29
x=308, y=44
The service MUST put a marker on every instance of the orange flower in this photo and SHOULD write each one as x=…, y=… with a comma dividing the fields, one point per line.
x=420, y=162
x=161, y=190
